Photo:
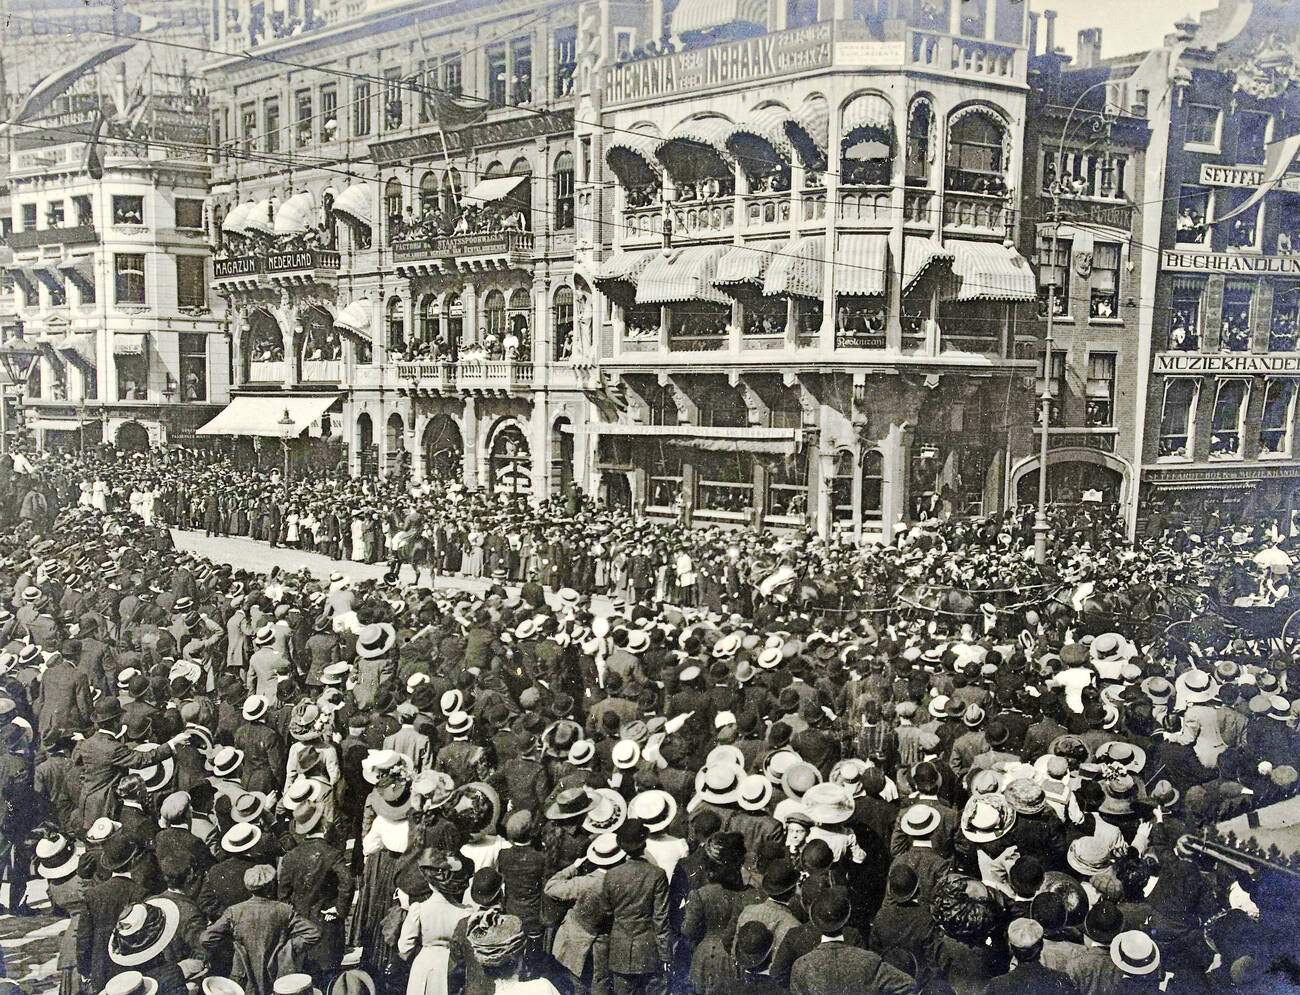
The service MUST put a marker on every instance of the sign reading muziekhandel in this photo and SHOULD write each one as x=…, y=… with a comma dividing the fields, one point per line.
x=1195, y=364
x=1184, y=261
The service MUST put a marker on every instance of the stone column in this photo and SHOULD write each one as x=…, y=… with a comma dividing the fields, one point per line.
x=469, y=313
x=469, y=436
x=896, y=449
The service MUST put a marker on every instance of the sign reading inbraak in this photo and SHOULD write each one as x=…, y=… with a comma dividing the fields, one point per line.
x=1229, y=262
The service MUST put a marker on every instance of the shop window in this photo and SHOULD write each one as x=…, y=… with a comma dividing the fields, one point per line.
x=1203, y=126
x=329, y=112
x=1225, y=427
x=566, y=61
x=128, y=209
x=1286, y=314
x=1103, y=302
x=1185, y=315
x=563, y=191
x=396, y=323
x=302, y=118
x=724, y=482
x=562, y=323
x=664, y=473
x=1176, y=418
x=1054, y=276
x=271, y=118
x=189, y=213
x=452, y=75
x=361, y=109
x=787, y=487
x=498, y=81
x=920, y=144
x=191, y=282
x=1279, y=414
x=521, y=71
x=1234, y=335
x=842, y=489
x=1100, y=410
x=1193, y=216
x=975, y=155
x=1254, y=129
x=129, y=283
x=194, y=366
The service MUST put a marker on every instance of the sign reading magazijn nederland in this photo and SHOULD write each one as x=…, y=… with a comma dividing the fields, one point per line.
x=1229, y=262
x=737, y=62
x=1192, y=364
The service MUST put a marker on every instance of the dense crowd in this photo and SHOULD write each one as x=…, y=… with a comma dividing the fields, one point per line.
x=774, y=763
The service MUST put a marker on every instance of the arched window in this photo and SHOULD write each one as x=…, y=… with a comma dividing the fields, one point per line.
x=494, y=320
x=393, y=207
x=519, y=323
x=429, y=318
x=494, y=169
x=521, y=167
x=396, y=320
x=920, y=143
x=563, y=180
x=873, y=484
x=562, y=324
x=428, y=194
x=451, y=192
x=976, y=153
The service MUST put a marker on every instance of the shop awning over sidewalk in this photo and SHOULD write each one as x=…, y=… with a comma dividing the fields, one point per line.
x=272, y=416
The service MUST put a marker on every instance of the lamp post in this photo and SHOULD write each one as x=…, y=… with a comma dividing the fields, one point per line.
x=1041, y=525
x=168, y=392
x=18, y=358
x=286, y=425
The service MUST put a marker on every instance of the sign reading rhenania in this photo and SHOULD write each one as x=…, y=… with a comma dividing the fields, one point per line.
x=749, y=59
x=1193, y=364
x=1215, y=175
x=1229, y=262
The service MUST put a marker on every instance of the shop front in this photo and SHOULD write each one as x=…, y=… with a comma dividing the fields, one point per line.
x=1210, y=497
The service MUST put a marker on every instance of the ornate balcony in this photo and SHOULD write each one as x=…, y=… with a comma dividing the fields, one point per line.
x=469, y=253
x=767, y=209
x=866, y=206
x=981, y=213
x=306, y=266
x=969, y=57
x=496, y=377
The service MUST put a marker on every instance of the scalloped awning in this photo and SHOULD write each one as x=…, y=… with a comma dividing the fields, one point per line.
x=296, y=215
x=353, y=206
x=702, y=15
x=631, y=155
x=809, y=133
x=990, y=271
x=355, y=319
x=696, y=149
x=681, y=275
x=234, y=221
x=759, y=142
x=259, y=218
x=867, y=117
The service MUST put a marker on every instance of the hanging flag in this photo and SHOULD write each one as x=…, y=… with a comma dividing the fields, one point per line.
x=44, y=93
x=1278, y=158
x=95, y=165
x=450, y=113
x=609, y=397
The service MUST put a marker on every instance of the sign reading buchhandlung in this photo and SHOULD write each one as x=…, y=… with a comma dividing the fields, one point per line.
x=1229, y=262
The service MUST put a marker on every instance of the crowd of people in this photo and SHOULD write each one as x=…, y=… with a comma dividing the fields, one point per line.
x=753, y=761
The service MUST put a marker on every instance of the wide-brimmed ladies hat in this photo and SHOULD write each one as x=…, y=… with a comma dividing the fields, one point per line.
x=376, y=640
x=655, y=809
x=56, y=858
x=755, y=793
x=155, y=776
x=828, y=804
x=987, y=818
x=1121, y=794
x=1090, y=855
x=1135, y=953
x=1025, y=796
x=143, y=931
x=1118, y=752
x=607, y=814
x=604, y=851
x=226, y=761
x=719, y=785
x=798, y=778
x=379, y=764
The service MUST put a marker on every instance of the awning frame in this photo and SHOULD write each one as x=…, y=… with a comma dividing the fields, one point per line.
x=760, y=140
x=808, y=130
x=681, y=275
x=494, y=188
x=691, y=144
x=130, y=343
x=353, y=206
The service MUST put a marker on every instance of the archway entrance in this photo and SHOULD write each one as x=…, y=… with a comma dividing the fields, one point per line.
x=510, y=463
x=444, y=450
x=1073, y=482
x=132, y=437
x=561, y=456
x=366, y=452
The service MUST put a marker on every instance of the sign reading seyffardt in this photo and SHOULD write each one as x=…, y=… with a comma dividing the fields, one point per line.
x=776, y=54
x=1215, y=175
x=1193, y=364
x=1229, y=262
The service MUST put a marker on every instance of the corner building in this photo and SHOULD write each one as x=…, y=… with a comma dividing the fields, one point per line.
x=794, y=259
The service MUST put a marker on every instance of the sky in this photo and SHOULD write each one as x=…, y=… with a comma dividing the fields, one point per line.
x=1126, y=25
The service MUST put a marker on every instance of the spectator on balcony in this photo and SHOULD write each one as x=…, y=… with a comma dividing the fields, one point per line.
x=514, y=221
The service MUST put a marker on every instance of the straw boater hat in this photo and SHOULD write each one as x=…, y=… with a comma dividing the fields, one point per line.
x=143, y=932
x=56, y=858
x=607, y=814
x=335, y=674
x=255, y=707
x=156, y=776
x=241, y=837
x=718, y=785
x=1135, y=953
x=920, y=821
x=130, y=983
x=226, y=761
x=376, y=640
x=213, y=985
x=755, y=793
x=265, y=635
x=604, y=851
x=655, y=809
x=294, y=984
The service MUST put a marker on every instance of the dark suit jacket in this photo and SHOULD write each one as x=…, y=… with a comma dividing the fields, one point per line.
x=224, y=886
x=182, y=847
x=104, y=905
x=835, y=967
x=1033, y=978
x=64, y=699
x=314, y=876
x=634, y=899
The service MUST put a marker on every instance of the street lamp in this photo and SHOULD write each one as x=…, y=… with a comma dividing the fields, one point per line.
x=168, y=392
x=286, y=425
x=18, y=358
x=1041, y=525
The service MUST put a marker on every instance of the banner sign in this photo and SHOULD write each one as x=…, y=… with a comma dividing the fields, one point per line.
x=1229, y=262
x=744, y=61
x=1215, y=175
x=1192, y=364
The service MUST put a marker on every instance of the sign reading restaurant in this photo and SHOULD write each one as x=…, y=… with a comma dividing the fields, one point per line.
x=1193, y=364
x=741, y=61
x=1229, y=262
x=1215, y=175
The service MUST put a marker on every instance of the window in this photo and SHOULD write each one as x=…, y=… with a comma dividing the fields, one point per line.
x=1288, y=226
x=1203, y=126
x=801, y=13
x=566, y=61
x=194, y=366
x=623, y=43
x=1085, y=174
x=1243, y=230
x=920, y=144
x=1254, y=128
x=1193, y=216
x=248, y=126
x=494, y=317
x=128, y=271
x=452, y=75
x=842, y=489
x=787, y=488
x=1176, y=418
x=564, y=191
x=1104, y=300
x=584, y=147
x=191, y=282
x=562, y=323
x=975, y=154
x=329, y=112
x=396, y=325
x=663, y=406
x=1056, y=385
x=724, y=482
x=54, y=214
x=664, y=471
x=1286, y=314
x=271, y=120
x=974, y=18
x=873, y=484
x=521, y=78
x=1054, y=276
x=189, y=213
x=58, y=289
x=393, y=208
x=1275, y=426
x=1101, y=390
x=85, y=214
x=133, y=375
x=29, y=217
x=1235, y=332
x=302, y=117
x=429, y=319
x=497, y=81
x=1185, y=317
x=128, y=210
x=1225, y=428
x=723, y=407
x=393, y=108
x=361, y=108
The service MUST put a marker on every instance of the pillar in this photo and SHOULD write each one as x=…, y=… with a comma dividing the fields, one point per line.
x=469, y=313
x=857, y=494
x=542, y=348
x=896, y=448
x=469, y=437
x=826, y=474
x=539, y=447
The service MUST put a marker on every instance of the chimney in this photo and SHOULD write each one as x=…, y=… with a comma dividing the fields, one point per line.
x=1089, y=48
x=1049, y=43
x=1033, y=33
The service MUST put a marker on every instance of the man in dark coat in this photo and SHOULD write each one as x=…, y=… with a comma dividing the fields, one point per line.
x=316, y=880
x=64, y=698
x=104, y=905
x=1025, y=939
x=834, y=966
x=634, y=901
x=103, y=760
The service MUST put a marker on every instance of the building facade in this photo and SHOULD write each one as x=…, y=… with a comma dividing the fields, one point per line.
x=109, y=263
x=397, y=259
x=795, y=259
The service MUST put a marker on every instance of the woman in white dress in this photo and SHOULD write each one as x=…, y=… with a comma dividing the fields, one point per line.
x=358, y=538
x=430, y=924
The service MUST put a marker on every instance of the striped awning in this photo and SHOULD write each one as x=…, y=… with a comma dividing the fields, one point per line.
x=48, y=274
x=260, y=218
x=130, y=343
x=681, y=275
x=80, y=346
x=622, y=267
x=494, y=188
x=990, y=271
x=861, y=264
x=918, y=254
x=81, y=269
x=809, y=133
x=868, y=116
x=631, y=155
x=745, y=264
x=759, y=142
x=355, y=319
x=295, y=215
x=701, y=15
x=235, y=220
x=696, y=148
x=796, y=270
x=353, y=206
